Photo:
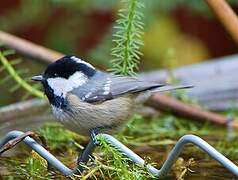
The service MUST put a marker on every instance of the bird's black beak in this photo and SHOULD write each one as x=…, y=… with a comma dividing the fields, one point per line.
x=37, y=78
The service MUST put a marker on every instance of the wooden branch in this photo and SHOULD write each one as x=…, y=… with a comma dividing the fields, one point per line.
x=24, y=115
x=226, y=15
x=159, y=101
x=28, y=48
x=22, y=109
x=178, y=108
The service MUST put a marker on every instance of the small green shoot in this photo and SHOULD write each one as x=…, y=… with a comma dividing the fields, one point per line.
x=127, y=38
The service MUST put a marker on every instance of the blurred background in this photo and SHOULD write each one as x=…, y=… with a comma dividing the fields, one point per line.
x=177, y=32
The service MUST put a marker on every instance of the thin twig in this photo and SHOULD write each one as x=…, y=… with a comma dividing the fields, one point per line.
x=159, y=101
x=226, y=15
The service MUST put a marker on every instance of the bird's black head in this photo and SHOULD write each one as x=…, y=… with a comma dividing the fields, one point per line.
x=62, y=76
x=67, y=66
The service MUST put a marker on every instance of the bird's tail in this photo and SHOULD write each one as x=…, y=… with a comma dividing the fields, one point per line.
x=141, y=98
x=170, y=88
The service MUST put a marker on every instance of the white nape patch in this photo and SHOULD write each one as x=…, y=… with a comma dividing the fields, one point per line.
x=106, y=87
x=88, y=94
x=62, y=86
x=81, y=61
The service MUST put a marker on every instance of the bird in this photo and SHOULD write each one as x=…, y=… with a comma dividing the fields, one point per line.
x=89, y=101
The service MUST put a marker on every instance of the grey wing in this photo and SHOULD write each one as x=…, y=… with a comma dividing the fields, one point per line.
x=123, y=84
x=105, y=86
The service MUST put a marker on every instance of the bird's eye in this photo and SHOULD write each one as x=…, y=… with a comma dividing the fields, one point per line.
x=55, y=74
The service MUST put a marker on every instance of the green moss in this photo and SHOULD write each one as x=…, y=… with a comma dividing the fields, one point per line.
x=59, y=138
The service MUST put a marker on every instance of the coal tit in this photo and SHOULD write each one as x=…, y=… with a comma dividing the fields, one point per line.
x=87, y=100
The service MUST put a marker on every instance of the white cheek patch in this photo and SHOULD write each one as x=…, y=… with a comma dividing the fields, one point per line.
x=62, y=86
x=81, y=61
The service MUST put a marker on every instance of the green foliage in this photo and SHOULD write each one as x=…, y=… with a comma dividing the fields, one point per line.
x=32, y=167
x=164, y=126
x=35, y=168
x=127, y=38
x=58, y=137
x=12, y=73
x=123, y=167
x=156, y=135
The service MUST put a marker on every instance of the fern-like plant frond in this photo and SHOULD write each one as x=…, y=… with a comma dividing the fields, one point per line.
x=127, y=38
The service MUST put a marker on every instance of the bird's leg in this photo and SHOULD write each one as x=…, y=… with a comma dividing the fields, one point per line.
x=10, y=144
x=93, y=134
x=87, y=152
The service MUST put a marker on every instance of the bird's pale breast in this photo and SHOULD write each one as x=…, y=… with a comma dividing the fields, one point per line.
x=107, y=115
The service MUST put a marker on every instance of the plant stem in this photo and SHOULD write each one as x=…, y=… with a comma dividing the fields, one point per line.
x=128, y=38
x=18, y=79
